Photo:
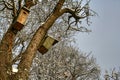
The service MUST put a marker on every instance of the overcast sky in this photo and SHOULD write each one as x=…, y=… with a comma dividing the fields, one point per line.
x=104, y=40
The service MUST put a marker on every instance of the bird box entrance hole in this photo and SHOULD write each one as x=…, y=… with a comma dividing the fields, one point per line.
x=21, y=19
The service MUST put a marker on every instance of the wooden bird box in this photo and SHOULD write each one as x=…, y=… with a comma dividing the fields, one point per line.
x=21, y=19
x=47, y=44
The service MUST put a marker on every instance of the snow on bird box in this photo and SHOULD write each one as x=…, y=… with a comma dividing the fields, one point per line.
x=21, y=19
x=47, y=44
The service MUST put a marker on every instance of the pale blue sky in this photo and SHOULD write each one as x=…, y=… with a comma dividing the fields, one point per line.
x=104, y=40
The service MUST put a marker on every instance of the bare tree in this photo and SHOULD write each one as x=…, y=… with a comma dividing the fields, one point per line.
x=64, y=62
x=113, y=75
x=19, y=45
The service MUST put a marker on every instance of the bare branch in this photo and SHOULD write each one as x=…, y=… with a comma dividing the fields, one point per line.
x=67, y=10
x=81, y=29
x=7, y=5
x=14, y=8
x=2, y=9
x=30, y=3
x=19, y=4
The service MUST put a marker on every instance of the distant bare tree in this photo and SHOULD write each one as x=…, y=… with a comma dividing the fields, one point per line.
x=113, y=75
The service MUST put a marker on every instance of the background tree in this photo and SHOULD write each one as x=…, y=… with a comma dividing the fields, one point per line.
x=112, y=75
x=60, y=17
x=64, y=62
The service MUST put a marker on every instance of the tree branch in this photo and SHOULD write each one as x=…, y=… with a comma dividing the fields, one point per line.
x=19, y=5
x=14, y=8
x=6, y=5
x=30, y=3
x=73, y=13
x=59, y=6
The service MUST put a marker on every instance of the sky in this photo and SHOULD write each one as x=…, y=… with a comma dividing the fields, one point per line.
x=104, y=40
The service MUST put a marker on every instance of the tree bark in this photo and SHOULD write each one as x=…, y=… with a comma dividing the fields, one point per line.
x=6, y=54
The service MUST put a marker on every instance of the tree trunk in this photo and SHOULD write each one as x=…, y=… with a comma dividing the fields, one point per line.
x=6, y=54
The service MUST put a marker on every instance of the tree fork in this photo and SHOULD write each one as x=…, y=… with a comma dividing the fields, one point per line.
x=6, y=46
x=29, y=54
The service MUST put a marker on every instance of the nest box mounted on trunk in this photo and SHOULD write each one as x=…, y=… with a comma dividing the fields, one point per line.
x=21, y=19
x=47, y=44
